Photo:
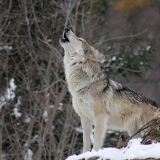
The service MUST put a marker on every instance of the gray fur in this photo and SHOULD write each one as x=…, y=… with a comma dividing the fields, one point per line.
x=97, y=99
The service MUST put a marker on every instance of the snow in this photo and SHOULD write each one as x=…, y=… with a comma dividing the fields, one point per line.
x=53, y=127
x=133, y=150
x=49, y=40
x=109, y=47
x=113, y=58
x=51, y=106
x=16, y=113
x=27, y=119
x=10, y=94
x=18, y=102
x=35, y=138
x=2, y=102
x=141, y=63
x=79, y=129
x=60, y=107
x=92, y=136
x=10, y=90
x=45, y=115
x=148, y=48
x=28, y=155
x=5, y=47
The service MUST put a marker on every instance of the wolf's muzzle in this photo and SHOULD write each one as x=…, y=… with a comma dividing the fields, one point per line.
x=65, y=38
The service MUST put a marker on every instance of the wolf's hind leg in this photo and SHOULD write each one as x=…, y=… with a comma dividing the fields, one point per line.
x=87, y=127
x=138, y=135
x=100, y=130
x=133, y=129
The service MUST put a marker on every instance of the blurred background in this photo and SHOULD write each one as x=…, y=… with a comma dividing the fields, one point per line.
x=37, y=120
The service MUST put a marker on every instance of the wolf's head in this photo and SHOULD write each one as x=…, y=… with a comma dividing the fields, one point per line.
x=78, y=49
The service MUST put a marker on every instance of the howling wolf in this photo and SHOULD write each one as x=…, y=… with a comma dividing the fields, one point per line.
x=96, y=98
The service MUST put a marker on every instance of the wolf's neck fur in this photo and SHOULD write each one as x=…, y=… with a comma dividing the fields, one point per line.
x=81, y=74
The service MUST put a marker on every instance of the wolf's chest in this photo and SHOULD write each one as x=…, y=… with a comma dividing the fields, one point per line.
x=84, y=106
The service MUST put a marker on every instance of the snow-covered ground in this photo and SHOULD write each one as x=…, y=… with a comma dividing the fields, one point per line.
x=133, y=150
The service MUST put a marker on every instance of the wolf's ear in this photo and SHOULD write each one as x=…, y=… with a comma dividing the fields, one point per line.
x=99, y=56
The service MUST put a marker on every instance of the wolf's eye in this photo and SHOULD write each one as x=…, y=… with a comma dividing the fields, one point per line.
x=80, y=39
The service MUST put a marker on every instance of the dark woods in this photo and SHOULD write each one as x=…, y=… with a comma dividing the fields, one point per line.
x=36, y=117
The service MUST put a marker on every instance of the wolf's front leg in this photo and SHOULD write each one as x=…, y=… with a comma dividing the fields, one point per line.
x=86, y=126
x=100, y=130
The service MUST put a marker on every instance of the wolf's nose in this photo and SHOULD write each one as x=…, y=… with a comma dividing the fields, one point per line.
x=66, y=30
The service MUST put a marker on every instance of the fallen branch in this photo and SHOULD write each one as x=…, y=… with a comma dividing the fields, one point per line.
x=151, y=133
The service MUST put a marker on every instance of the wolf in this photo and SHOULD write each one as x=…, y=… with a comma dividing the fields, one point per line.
x=98, y=100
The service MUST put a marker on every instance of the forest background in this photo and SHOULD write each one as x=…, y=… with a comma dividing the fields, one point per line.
x=37, y=120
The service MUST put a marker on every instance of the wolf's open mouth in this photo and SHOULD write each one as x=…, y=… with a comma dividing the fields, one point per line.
x=65, y=38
